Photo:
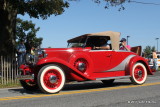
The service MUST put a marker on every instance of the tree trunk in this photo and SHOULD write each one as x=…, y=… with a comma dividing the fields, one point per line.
x=8, y=17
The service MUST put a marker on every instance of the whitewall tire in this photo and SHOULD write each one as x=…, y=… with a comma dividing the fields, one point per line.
x=51, y=78
x=139, y=74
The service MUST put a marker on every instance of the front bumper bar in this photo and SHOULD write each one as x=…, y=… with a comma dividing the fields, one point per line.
x=24, y=77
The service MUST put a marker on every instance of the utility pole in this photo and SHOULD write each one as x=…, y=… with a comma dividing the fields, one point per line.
x=157, y=43
x=127, y=39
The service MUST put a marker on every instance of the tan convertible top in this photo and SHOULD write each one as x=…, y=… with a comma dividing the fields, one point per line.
x=114, y=36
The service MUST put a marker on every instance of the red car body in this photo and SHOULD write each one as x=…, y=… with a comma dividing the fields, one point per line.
x=81, y=62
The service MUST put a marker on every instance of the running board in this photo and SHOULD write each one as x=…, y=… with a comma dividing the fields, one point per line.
x=108, y=78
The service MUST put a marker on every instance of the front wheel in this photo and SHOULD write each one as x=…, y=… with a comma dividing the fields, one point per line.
x=51, y=79
x=139, y=74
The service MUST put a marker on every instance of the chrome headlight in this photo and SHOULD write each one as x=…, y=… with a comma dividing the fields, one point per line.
x=39, y=54
x=29, y=59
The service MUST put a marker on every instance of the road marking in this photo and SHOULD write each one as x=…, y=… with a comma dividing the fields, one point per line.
x=76, y=92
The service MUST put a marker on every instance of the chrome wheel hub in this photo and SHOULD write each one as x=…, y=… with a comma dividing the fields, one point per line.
x=53, y=79
x=139, y=73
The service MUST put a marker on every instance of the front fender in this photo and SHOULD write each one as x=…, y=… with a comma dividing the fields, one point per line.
x=77, y=74
x=138, y=59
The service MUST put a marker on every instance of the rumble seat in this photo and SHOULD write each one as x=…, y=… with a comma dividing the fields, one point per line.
x=137, y=50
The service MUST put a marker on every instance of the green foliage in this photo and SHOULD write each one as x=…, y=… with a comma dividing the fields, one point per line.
x=153, y=48
x=111, y=3
x=46, y=8
x=25, y=30
x=10, y=83
x=38, y=8
x=9, y=9
x=148, y=51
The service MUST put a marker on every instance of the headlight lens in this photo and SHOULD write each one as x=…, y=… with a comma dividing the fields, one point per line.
x=29, y=59
x=33, y=59
x=39, y=54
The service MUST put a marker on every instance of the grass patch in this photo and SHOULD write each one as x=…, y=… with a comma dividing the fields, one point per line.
x=9, y=84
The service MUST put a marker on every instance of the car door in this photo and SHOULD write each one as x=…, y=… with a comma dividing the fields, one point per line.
x=101, y=59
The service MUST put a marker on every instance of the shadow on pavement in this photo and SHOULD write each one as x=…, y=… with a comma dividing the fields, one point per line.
x=73, y=87
x=81, y=86
x=23, y=91
x=85, y=86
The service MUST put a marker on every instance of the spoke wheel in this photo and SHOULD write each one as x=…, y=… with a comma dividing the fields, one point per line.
x=139, y=74
x=51, y=79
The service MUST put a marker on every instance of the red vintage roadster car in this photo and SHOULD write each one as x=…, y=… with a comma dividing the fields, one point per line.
x=80, y=61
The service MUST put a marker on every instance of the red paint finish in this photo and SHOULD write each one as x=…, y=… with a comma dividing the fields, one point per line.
x=139, y=73
x=138, y=59
x=80, y=63
x=98, y=63
x=47, y=76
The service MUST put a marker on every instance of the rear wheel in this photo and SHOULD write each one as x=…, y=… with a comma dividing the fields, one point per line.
x=139, y=74
x=51, y=79
x=29, y=85
x=108, y=82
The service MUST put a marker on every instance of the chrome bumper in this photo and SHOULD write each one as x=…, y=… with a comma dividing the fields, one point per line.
x=24, y=77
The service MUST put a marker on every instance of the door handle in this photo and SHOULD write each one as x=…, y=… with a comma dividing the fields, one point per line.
x=109, y=55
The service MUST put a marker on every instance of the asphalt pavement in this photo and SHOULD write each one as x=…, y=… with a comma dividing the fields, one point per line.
x=89, y=94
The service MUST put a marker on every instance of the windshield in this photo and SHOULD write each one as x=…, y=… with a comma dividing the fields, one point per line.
x=73, y=45
x=77, y=42
x=90, y=41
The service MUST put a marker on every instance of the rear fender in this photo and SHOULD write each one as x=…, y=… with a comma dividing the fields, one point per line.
x=75, y=74
x=135, y=60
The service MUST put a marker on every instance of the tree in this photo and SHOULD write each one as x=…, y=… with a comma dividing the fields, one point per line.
x=34, y=8
x=113, y=3
x=25, y=30
x=148, y=50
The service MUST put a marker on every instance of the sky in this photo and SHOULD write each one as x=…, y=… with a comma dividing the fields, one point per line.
x=139, y=21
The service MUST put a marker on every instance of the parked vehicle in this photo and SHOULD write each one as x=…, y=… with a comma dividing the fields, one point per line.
x=158, y=61
x=54, y=67
x=150, y=61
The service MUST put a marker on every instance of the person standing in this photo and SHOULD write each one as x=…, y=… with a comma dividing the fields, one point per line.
x=155, y=66
x=124, y=45
x=21, y=52
x=28, y=47
x=33, y=53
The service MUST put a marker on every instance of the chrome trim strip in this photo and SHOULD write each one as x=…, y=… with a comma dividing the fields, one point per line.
x=110, y=50
x=122, y=51
x=23, y=77
x=68, y=50
x=99, y=50
x=122, y=65
x=108, y=78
